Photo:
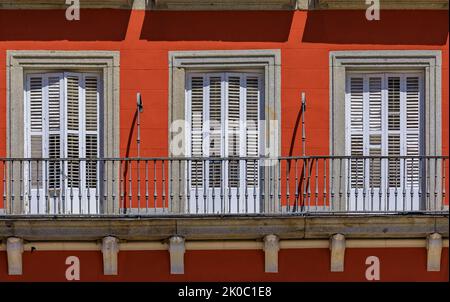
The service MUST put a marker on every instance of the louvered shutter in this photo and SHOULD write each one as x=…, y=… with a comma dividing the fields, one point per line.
x=197, y=98
x=252, y=99
x=215, y=94
x=233, y=128
x=375, y=128
x=412, y=128
x=394, y=130
x=356, y=129
x=35, y=98
x=73, y=100
x=91, y=125
x=54, y=111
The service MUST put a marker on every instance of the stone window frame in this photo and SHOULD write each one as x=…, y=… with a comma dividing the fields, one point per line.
x=266, y=60
x=429, y=62
x=21, y=62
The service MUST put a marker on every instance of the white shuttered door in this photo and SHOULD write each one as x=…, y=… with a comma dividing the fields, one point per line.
x=61, y=121
x=383, y=120
x=223, y=113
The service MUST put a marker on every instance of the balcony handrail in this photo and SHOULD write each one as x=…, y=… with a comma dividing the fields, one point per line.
x=212, y=158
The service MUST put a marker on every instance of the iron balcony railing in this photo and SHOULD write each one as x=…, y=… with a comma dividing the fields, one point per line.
x=224, y=186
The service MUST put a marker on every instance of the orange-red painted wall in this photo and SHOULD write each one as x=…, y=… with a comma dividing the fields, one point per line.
x=144, y=40
x=305, y=39
x=396, y=264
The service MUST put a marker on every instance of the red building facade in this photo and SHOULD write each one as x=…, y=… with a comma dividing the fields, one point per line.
x=347, y=185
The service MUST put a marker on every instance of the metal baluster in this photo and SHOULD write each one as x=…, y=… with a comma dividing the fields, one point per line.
x=263, y=193
x=444, y=184
x=196, y=186
x=105, y=188
x=214, y=187
x=138, y=176
x=332, y=195
x=397, y=168
x=308, y=183
x=371, y=183
x=180, y=194
x=412, y=183
x=279, y=185
x=364, y=192
x=21, y=186
x=71, y=186
x=155, y=191
x=288, y=167
x=97, y=184
x=349, y=163
x=222, y=204
x=357, y=184
x=88, y=187
x=229, y=186
x=205, y=186
x=130, y=192
x=404, y=185
x=245, y=186
x=255, y=171
x=296, y=206
x=271, y=194
x=304, y=183
x=388, y=191
x=38, y=197
x=316, y=193
x=163, y=185
x=428, y=202
x=188, y=163
x=29, y=186
x=238, y=196
x=113, y=189
x=4, y=183
x=146, y=187
x=46, y=186
x=80, y=187
x=122, y=187
x=420, y=181
x=435, y=184
x=380, y=189
x=324, y=183
x=170, y=164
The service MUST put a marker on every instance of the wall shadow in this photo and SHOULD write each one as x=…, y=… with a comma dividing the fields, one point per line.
x=413, y=27
x=51, y=25
x=236, y=26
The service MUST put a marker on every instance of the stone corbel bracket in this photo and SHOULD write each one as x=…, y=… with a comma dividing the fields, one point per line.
x=271, y=248
x=14, y=250
x=434, y=251
x=176, y=249
x=337, y=248
x=110, y=251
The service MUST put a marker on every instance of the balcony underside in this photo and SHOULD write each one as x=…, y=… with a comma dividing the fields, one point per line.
x=222, y=228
